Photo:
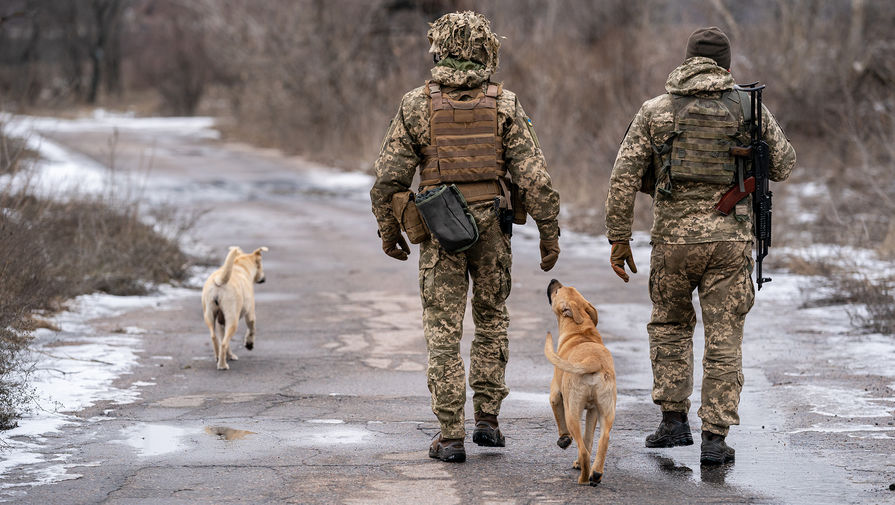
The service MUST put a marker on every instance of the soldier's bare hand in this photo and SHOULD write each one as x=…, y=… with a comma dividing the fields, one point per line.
x=621, y=254
x=396, y=247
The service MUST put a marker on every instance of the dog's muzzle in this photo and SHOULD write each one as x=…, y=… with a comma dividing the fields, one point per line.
x=261, y=281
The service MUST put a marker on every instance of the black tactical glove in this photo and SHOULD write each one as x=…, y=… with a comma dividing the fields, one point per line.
x=621, y=254
x=395, y=246
x=549, y=253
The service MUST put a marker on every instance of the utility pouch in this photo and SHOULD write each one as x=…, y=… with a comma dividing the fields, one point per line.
x=405, y=211
x=519, y=214
x=445, y=213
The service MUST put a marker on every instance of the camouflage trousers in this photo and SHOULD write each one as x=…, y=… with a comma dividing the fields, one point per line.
x=444, y=283
x=721, y=271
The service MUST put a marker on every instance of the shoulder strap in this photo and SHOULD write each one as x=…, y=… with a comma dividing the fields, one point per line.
x=434, y=90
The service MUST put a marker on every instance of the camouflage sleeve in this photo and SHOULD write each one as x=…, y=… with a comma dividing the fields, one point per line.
x=528, y=169
x=394, y=170
x=634, y=157
x=783, y=156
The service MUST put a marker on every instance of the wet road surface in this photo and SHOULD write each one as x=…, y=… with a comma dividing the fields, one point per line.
x=331, y=406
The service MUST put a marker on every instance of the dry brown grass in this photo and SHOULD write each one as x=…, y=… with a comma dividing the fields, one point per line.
x=51, y=251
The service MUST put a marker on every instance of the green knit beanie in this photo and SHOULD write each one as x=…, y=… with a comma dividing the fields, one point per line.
x=710, y=43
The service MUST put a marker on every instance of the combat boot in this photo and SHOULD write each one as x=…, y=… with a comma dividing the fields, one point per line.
x=672, y=431
x=486, y=431
x=448, y=449
x=715, y=450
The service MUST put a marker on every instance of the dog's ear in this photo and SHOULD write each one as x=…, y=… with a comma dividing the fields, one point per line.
x=259, y=250
x=569, y=311
x=592, y=312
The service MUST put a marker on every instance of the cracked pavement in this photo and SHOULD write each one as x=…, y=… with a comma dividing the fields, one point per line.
x=335, y=390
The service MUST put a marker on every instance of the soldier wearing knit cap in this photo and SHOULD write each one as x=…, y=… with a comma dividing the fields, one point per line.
x=681, y=141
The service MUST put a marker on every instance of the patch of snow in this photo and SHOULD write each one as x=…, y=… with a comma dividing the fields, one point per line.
x=198, y=127
x=325, y=421
x=838, y=402
x=71, y=378
x=341, y=181
x=843, y=428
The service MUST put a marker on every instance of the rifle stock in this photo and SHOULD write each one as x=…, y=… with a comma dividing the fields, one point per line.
x=734, y=196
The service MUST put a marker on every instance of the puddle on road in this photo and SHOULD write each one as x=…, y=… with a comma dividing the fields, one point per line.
x=226, y=433
x=154, y=439
x=329, y=432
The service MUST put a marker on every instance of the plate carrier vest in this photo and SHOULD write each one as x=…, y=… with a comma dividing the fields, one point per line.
x=698, y=149
x=465, y=148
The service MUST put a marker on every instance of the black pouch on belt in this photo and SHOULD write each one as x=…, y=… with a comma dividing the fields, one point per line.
x=447, y=216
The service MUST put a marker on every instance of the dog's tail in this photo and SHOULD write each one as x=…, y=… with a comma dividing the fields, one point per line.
x=224, y=276
x=564, y=365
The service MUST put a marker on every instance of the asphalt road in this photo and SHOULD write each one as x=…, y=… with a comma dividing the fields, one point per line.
x=334, y=392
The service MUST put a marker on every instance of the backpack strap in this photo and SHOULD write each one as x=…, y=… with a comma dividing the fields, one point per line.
x=737, y=97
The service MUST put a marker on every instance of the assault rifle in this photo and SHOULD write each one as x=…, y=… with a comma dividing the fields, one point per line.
x=754, y=182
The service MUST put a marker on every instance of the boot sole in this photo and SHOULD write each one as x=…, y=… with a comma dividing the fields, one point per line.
x=486, y=439
x=715, y=458
x=452, y=456
x=671, y=441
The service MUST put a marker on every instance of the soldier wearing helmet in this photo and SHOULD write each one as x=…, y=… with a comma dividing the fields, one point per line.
x=463, y=129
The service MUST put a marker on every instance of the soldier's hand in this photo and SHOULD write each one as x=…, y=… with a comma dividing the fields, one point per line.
x=621, y=254
x=396, y=247
x=549, y=253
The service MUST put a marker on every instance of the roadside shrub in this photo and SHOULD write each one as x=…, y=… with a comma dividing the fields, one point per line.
x=878, y=300
x=53, y=250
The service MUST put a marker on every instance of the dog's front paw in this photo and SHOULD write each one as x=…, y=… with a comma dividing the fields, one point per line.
x=564, y=442
x=232, y=356
x=224, y=366
x=575, y=465
x=595, y=478
x=250, y=345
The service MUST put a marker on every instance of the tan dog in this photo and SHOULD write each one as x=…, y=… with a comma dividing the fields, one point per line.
x=229, y=295
x=583, y=379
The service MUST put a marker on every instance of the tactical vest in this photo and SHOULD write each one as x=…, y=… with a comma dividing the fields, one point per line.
x=465, y=148
x=698, y=149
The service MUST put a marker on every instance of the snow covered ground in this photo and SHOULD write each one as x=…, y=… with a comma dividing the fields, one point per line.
x=76, y=368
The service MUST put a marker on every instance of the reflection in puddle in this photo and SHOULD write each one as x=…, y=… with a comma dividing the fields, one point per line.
x=714, y=474
x=670, y=466
x=225, y=433
x=154, y=439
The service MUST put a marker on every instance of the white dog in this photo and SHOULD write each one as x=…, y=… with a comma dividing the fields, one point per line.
x=229, y=295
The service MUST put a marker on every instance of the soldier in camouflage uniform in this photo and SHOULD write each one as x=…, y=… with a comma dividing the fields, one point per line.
x=694, y=247
x=466, y=56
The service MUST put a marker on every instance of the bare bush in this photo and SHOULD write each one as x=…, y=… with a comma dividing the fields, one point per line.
x=878, y=300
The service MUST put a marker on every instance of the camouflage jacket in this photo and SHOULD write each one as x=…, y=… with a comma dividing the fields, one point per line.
x=408, y=133
x=686, y=216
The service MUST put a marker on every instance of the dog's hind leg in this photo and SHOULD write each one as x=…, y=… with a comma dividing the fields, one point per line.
x=583, y=461
x=224, y=352
x=589, y=429
x=212, y=323
x=250, y=331
x=607, y=417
